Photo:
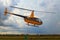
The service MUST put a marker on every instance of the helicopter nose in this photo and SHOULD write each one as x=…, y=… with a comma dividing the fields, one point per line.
x=40, y=23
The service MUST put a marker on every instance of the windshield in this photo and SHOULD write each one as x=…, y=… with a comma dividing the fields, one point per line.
x=38, y=19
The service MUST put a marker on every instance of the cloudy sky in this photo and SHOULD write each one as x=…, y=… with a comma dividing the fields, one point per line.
x=15, y=25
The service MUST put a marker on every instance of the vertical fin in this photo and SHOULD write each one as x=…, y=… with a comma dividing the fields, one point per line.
x=32, y=14
x=5, y=12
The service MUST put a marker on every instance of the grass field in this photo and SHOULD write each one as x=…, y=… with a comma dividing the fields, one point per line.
x=29, y=37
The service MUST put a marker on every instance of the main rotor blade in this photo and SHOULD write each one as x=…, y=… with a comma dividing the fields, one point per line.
x=31, y=10
x=21, y=8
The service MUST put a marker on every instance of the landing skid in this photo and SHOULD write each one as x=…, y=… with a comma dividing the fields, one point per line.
x=33, y=25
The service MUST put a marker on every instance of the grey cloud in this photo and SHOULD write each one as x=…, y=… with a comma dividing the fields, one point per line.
x=50, y=21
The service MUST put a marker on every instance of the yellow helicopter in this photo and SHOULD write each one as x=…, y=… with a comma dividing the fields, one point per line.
x=28, y=19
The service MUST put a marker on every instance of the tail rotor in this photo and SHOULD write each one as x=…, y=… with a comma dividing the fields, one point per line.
x=5, y=12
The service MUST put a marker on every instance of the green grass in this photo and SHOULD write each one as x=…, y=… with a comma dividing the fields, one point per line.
x=29, y=37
